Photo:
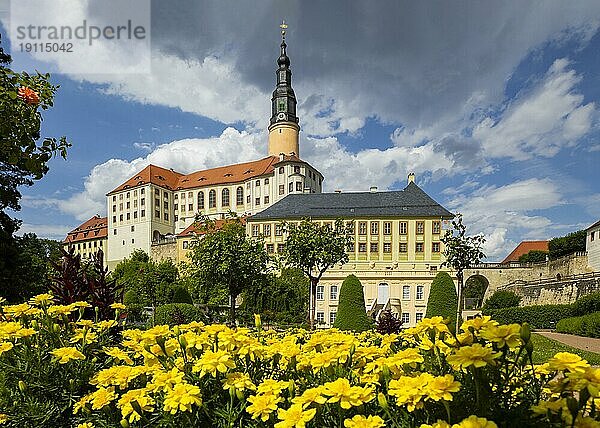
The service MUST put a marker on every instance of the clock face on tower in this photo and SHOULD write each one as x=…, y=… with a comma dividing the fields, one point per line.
x=281, y=116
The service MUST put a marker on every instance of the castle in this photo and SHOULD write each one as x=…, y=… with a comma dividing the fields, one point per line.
x=397, y=248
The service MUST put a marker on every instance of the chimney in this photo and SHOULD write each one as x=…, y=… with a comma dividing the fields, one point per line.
x=411, y=177
x=373, y=189
x=281, y=157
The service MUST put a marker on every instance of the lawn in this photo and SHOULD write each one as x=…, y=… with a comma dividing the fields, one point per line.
x=544, y=348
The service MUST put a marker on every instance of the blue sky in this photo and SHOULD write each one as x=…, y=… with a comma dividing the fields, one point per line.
x=494, y=108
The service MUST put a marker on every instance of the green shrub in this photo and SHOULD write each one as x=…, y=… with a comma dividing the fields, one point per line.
x=586, y=325
x=443, y=300
x=181, y=295
x=539, y=316
x=502, y=299
x=587, y=304
x=177, y=313
x=351, y=313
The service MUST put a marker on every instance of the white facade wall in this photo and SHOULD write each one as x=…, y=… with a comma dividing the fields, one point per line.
x=593, y=247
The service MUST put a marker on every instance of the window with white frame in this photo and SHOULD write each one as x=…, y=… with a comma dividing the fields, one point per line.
x=406, y=292
x=320, y=317
x=419, y=317
x=331, y=318
x=419, y=292
x=320, y=292
x=405, y=318
x=333, y=292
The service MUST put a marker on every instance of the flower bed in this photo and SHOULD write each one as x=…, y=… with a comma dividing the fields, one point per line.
x=59, y=369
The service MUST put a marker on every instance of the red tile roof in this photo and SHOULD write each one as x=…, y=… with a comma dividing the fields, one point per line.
x=523, y=248
x=195, y=228
x=224, y=174
x=162, y=177
x=94, y=228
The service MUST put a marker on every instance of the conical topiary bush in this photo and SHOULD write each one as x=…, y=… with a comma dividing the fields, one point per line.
x=443, y=300
x=351, y=313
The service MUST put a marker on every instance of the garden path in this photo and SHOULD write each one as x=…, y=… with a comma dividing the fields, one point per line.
x=580, y=342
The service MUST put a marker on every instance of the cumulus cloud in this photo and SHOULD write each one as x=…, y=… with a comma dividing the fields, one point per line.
x=497, y=210
x=184, y=156
x=542, y=122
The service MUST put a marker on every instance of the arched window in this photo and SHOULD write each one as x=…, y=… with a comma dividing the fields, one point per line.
x=212, y=199
x=200, y=200
x=239, y=197
x=225, y=197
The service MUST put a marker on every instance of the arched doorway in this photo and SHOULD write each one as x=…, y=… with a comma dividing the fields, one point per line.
x=155, y=236
x=474, y=291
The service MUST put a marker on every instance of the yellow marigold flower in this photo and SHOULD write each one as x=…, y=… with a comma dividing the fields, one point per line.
x=311, y=395
x=272, y=386
x=141, y=397
x=441, y=387
x=25, y=332
x=61, y=309
x=106, y=324
x=262, y=405
x=162, y=381
x=181, y=398
x=294, y=417
x=3, y=418
x=85, y=425
x=42, y=299
x=360, y=421
x=433, y=323
x=478, y=323
x=586, y=422
x=118, y=354
x=119, y=306
x=81, y=305
x=475, y=422
x=67, y=354
x=5, y=346
x=119, y=376
x=552, y=406
x=238, y=382
x=213, y=362
x=565, y=361
x=474, y=355
x=503, y=335
x=410, y=390
x=341, y=391
x=101, y=397
x=83, y=335
x=16, y=311
x=438, y=424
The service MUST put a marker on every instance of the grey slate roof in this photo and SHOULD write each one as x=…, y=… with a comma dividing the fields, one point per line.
x=410, y=202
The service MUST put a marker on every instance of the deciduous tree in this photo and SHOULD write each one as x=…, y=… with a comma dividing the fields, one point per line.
x=461, y=252
x=314, y=248
x=226, y=256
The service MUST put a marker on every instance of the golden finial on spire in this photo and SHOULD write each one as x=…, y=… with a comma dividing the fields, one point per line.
x=283, y=27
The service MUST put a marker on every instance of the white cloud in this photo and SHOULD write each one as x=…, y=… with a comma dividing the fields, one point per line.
x=497, y=210
x=184, y=156
x=540, y=123
x=49, y=231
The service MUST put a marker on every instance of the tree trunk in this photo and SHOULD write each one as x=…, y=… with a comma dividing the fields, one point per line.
x=232, y=310
x=459, y=276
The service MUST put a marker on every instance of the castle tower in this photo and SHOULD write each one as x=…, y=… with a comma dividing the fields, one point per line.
x=283, y=129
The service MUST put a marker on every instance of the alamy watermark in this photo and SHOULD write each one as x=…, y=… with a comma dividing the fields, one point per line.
x=74, y=36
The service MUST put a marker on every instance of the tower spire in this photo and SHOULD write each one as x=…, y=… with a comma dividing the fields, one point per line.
x=283, y=128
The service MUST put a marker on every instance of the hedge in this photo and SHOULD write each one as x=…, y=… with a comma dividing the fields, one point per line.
x=587, y=304
x=443, y=300
x=177, y=313
x=539, y=316
x=351, y=313
x=181, y=295
x=586, y=325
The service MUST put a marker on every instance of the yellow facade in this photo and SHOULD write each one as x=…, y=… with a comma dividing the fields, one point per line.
x=87, y=248
x=283, y=138
x=396, y=260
